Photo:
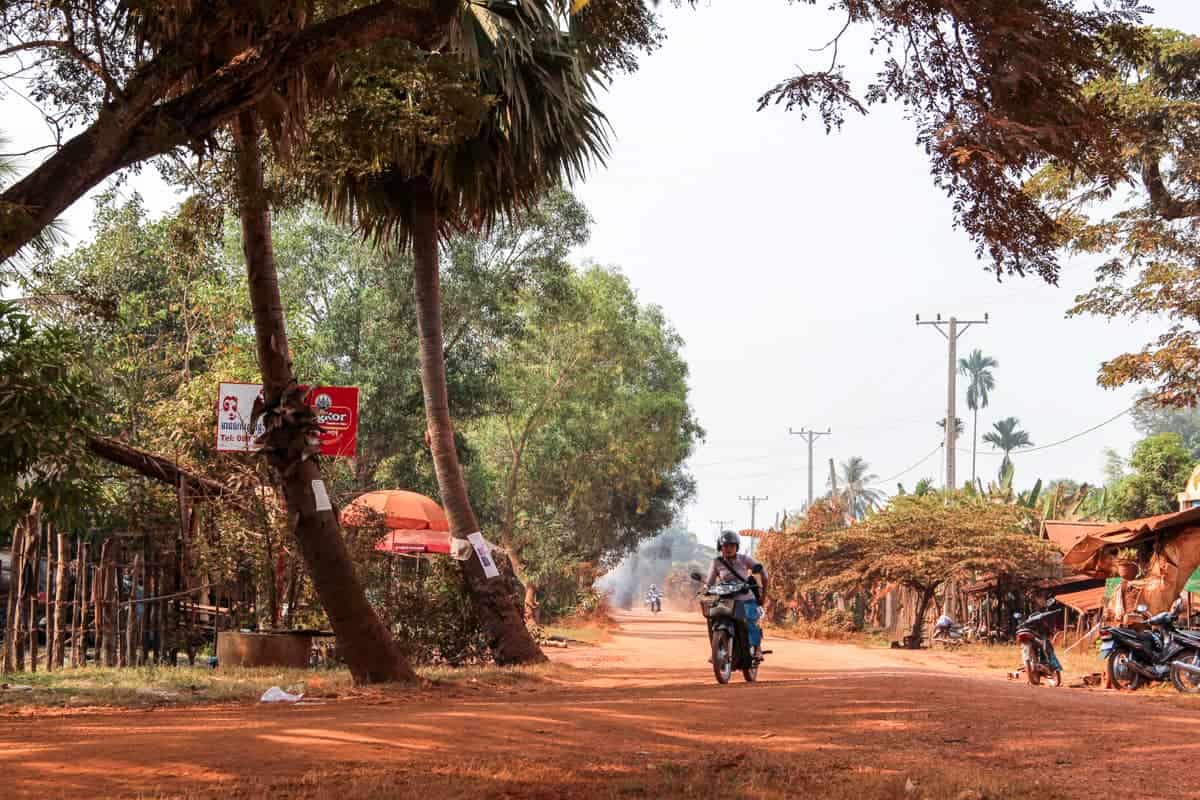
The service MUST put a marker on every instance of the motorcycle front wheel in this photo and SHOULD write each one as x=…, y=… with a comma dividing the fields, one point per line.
x=1120, y=674
x=722, y=655
x=1184, y=681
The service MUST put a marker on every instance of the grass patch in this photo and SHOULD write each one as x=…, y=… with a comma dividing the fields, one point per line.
x=139, y=687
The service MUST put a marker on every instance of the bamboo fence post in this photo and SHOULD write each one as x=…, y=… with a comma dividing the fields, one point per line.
x=33, y=596
x=131, y=614
x=100, y=598
x=50, y=598
x=78, y=612
x=160, y=648
x=60, y=609
x=13, y=609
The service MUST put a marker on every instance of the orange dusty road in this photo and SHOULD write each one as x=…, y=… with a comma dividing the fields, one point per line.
x=639, y=716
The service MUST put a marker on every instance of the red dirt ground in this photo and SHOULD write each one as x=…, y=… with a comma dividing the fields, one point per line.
x=639, y=716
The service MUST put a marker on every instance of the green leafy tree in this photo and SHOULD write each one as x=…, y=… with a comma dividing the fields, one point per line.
x=1147, y=236
x=923, y=542
x=138, y=81
x=1007, y=436
x=1150, y=419
x=47, y=401
x=594, y=428
x=977, y=368
x=1160, y=468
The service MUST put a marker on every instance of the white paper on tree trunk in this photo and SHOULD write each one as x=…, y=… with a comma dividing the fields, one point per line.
x=321, y=496
x=485, y=554
x=460, y=549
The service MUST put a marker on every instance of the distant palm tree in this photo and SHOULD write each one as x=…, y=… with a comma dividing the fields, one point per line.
x=855, y=482
x=1007, y=437
x=978, y=368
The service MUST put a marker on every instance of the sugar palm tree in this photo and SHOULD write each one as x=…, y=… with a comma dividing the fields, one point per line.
x=978, y=368
x=1007, y=437
x=540, y=126
x=856, y=479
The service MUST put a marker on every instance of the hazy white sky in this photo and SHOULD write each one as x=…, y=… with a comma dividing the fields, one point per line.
x=792, y=264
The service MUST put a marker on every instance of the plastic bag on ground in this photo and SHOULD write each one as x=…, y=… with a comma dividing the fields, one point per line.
x=277, y=695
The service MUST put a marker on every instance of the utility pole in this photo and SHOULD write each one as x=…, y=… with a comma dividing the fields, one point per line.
x=810, y=435
x=753, y=501
x=954, y=329
x=721, y=524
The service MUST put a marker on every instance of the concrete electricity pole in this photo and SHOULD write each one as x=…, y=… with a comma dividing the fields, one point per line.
x=753, y=501
x=810, y=435
x=954, y=329
x=721, y=524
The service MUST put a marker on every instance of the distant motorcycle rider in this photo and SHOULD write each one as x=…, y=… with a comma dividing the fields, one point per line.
x=729, y=566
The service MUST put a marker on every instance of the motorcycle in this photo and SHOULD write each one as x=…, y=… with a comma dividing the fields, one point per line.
x=1038, y=659
x=654, y=602
x=727, y=633
x=949, y=633
x=1155, y=651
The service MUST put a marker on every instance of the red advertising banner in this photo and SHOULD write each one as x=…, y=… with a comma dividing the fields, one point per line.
x=336, y=408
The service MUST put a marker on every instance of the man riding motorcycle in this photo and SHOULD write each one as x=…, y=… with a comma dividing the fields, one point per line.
x=730, y=565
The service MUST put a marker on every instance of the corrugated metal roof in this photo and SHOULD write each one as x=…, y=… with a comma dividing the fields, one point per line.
x=1066, y=533
x=1085, y=600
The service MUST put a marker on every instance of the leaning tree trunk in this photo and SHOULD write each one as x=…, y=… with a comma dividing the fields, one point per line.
x=363, y=640
x=924, y=598
x=502, y=623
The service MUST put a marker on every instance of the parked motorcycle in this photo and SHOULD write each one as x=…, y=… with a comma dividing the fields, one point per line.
x=726, y=632
x=1157, y=651
x=949, y=633
x=1038, y=659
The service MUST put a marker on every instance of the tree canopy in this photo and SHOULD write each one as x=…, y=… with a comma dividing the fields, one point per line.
x=924, y=541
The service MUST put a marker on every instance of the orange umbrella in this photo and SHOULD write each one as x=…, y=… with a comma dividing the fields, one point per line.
x=417, y=524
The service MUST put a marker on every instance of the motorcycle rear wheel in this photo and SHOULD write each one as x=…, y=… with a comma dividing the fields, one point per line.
x=1184, y=681
x=722, y=655
x=1120, y=676
x=750, y=674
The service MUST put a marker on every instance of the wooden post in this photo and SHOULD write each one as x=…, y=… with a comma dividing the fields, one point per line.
x=60, y=608
x=100, y=603
x=143, y=579
x=131, y=648
x=79, y=612
x=49, y=598
x=33, y=595
x=159, y=583
x=12, y=616
x=119, y=609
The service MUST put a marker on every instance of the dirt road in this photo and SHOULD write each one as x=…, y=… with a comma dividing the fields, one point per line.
x=638, y=717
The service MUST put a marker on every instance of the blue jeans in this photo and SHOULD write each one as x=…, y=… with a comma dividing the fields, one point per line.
x=748, y=611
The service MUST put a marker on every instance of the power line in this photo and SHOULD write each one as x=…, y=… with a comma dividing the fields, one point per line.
x=907, y=470
x=1070, y=438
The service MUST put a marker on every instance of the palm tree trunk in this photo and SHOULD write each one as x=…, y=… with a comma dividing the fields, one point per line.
x=509, y=639
x=362, y=639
